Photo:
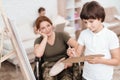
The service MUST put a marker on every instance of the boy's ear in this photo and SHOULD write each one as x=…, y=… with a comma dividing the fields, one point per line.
x=100, y=19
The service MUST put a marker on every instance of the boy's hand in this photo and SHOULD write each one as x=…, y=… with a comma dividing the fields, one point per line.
x=96, y=60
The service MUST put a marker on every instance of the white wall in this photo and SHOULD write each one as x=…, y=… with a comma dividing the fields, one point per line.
x=25, y=11
x=107, y=3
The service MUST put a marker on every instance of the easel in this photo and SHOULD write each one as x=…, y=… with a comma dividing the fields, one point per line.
x=17, y=44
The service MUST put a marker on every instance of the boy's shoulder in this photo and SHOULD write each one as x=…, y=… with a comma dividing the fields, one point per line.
x=85, y=31
x=109, y=31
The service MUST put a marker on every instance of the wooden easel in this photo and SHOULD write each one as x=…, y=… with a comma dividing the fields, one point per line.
x=19, y=51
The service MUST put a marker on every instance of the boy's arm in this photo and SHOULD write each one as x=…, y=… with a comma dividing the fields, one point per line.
x=114, y=61
x=115, y=57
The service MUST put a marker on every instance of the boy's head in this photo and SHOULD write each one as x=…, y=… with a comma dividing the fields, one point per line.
x=92, y=10
x=41, y=11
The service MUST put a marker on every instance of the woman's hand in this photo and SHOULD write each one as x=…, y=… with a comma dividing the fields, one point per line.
x=42, y=34
x=67, y=65
x=71, y=52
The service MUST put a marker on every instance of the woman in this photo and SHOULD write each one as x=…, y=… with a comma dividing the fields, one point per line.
x=51, y=47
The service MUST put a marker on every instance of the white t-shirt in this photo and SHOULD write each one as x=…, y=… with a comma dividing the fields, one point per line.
x=98, y=43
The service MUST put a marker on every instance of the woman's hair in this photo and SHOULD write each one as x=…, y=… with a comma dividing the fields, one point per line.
x=41, y=19
x=41, y=9
x=92, y=10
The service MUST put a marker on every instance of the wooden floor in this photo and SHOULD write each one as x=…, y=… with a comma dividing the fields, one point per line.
x=11, y=72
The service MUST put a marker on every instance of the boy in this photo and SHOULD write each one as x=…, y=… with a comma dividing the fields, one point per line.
x=41, y=11
x=97, y=39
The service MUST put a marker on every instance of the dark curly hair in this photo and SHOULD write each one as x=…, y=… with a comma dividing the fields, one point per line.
x=92, y=10
x=41, y=9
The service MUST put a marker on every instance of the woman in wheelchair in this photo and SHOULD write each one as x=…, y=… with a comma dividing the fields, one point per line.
x=51, y=46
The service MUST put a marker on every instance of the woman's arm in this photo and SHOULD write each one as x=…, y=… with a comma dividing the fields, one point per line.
x=40, y=48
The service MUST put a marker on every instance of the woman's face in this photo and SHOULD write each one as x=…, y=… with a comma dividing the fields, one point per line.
x=46, y=28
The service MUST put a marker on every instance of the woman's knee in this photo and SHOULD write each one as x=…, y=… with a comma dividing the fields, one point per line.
x=83, y=78
x=66, y=77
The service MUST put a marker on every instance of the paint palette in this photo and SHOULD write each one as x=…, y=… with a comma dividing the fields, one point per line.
x=57, y=68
